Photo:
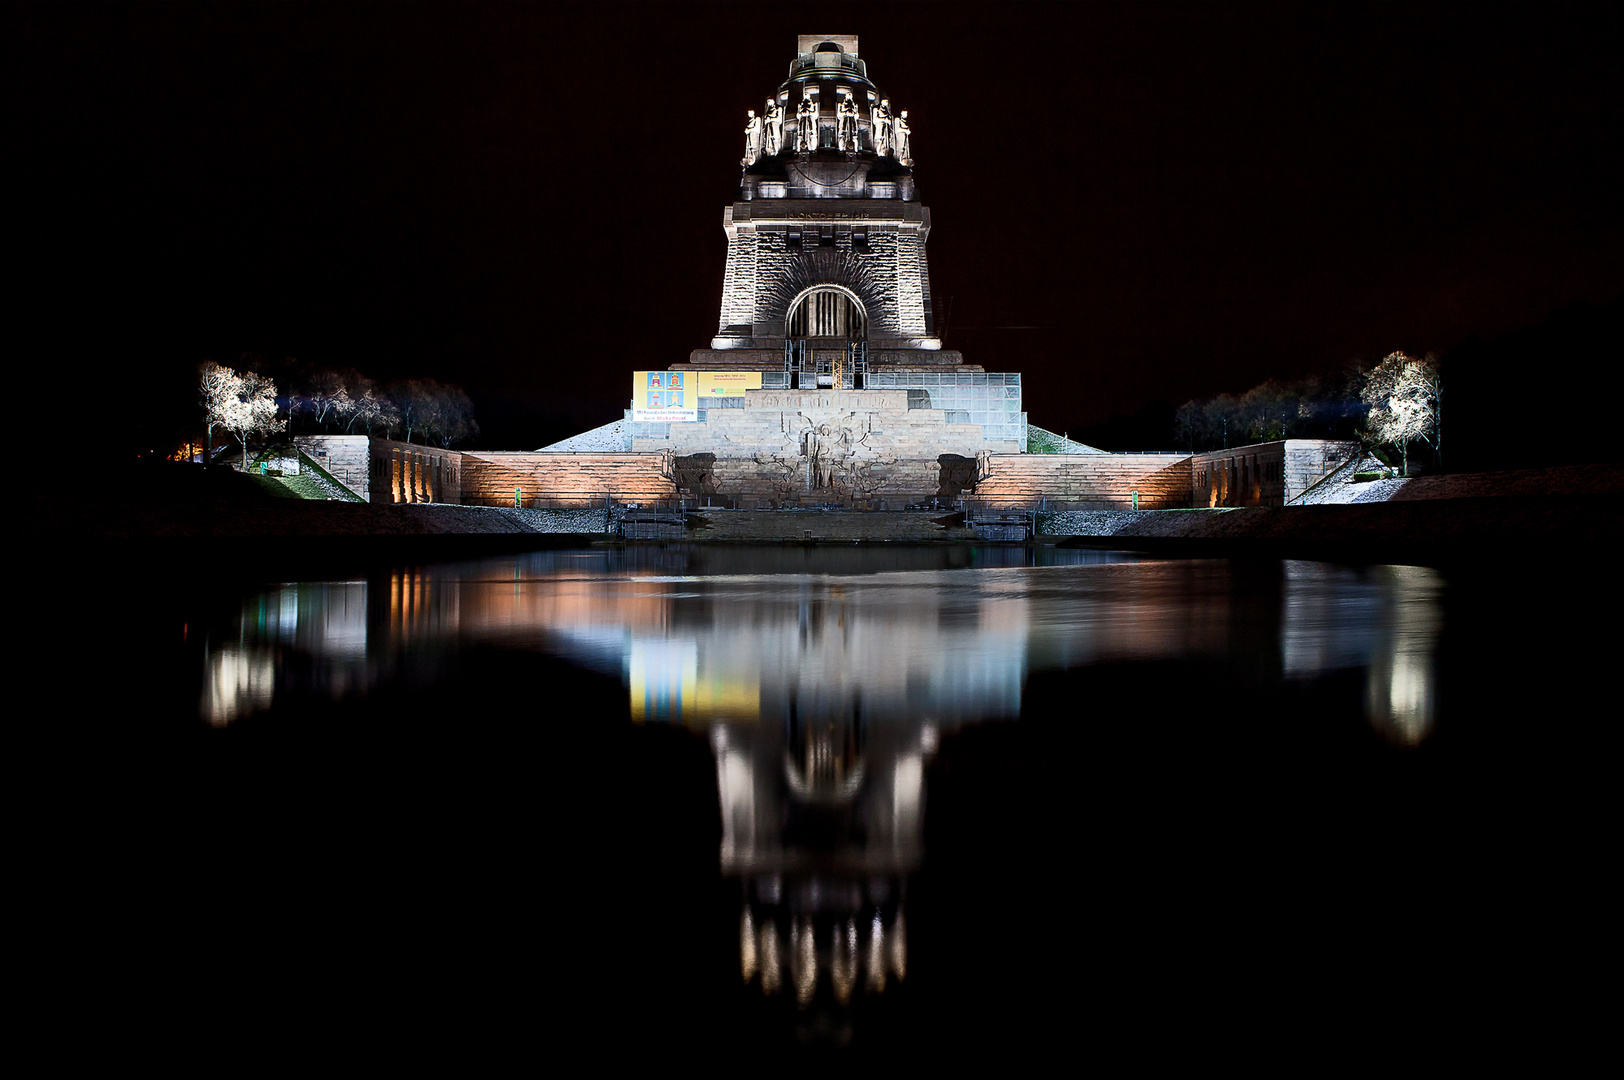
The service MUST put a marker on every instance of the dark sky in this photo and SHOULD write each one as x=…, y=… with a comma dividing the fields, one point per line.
x=1131, y=203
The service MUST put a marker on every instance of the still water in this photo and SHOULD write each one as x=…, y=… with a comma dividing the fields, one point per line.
x=832, y=802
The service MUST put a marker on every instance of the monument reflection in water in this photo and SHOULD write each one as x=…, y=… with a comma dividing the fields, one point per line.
x=824, y=695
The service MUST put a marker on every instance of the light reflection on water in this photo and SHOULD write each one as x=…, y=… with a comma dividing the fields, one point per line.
x=937, y=646
x=825, y=695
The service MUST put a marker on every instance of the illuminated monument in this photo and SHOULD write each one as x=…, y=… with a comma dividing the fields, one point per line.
x=826, y=384
x=826, y=380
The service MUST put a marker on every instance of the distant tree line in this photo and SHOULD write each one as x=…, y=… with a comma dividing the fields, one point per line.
x=1311, y=408
x=414, y=410
x=1397, y=403
x=246, y=404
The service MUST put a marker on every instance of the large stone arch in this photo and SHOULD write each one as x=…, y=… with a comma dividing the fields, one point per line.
x=832, y=266
x=850, y=319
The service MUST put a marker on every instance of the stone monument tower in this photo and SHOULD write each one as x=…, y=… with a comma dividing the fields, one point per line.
x=826, y=380
x=826, y=242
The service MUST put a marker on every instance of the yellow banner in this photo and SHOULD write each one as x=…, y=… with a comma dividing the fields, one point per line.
x=725, y=383
x=664, y=395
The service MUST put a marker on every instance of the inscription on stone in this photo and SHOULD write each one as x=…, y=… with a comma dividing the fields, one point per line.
x=856, y=400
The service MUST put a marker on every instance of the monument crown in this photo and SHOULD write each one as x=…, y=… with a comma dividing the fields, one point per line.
x=827, y=131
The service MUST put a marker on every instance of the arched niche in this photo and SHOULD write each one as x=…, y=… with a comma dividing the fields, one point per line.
x=827, y=311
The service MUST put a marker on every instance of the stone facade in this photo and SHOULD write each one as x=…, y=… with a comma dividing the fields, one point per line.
x=1085, y=481
x=780, y=249
x=1264, y=474
x=347, y=459
x=495, y=478
x=788, y=447
x=384, y=471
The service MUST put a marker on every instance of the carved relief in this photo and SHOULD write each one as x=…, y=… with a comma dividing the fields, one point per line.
x=868, y=475
x=780, y=473
x=836, y=459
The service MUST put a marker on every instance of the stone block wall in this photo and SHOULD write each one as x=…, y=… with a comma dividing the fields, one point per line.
x=822, y=446
x=346, y=457
x=385, y=471
x=554, y=479
x=777, y=248
x=1264, y=474
x=1085, y=481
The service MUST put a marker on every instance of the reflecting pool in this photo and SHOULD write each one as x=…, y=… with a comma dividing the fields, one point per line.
x=828, y=801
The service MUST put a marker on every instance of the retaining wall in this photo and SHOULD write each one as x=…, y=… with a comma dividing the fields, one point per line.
x=1085, y=481
x=554, y=479
x=1264, y=474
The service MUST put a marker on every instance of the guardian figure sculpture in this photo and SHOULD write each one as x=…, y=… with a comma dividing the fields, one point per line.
x=846, y=128
x=806, y=129
x=752, y=138
x=900, y=137
x=773, y=129
x=881, y=120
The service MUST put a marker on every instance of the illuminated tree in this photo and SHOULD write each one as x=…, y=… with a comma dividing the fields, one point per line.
x=244, y=404
x=217, y=389
x=1405, y=395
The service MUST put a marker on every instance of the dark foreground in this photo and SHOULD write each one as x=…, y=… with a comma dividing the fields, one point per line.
x=483, y=857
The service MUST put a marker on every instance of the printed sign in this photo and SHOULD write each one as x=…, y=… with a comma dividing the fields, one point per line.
x=726, y=383
x=664, y=396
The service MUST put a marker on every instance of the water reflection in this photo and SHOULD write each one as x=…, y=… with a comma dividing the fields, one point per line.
x=1386, y=620
x=705, y=637
x=825, y=682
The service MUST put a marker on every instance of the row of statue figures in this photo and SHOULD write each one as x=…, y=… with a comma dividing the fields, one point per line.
x=764, y=136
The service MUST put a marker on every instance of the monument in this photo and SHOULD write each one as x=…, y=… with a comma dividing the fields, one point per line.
x=826, y=382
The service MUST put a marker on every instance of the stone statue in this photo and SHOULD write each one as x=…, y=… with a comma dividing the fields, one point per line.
x=846, y=124
x=772, y=129
x=818, y=448
x=880, y=118
x=900, y=138
x=806, y=127
x=752, y=138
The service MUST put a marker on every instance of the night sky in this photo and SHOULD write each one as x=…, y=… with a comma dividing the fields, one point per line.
x=1131, y=204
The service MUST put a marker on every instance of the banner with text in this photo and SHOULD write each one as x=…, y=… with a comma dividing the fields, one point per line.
x=725, y=383
x=664, y=396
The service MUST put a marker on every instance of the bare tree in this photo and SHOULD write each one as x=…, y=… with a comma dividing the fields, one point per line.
x=453, y=419
x=1405, y=396
x=217, y=390
x=434, y=412
x=326, y=399
x=251, y=410
x=415, y=399
x=369, y=410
